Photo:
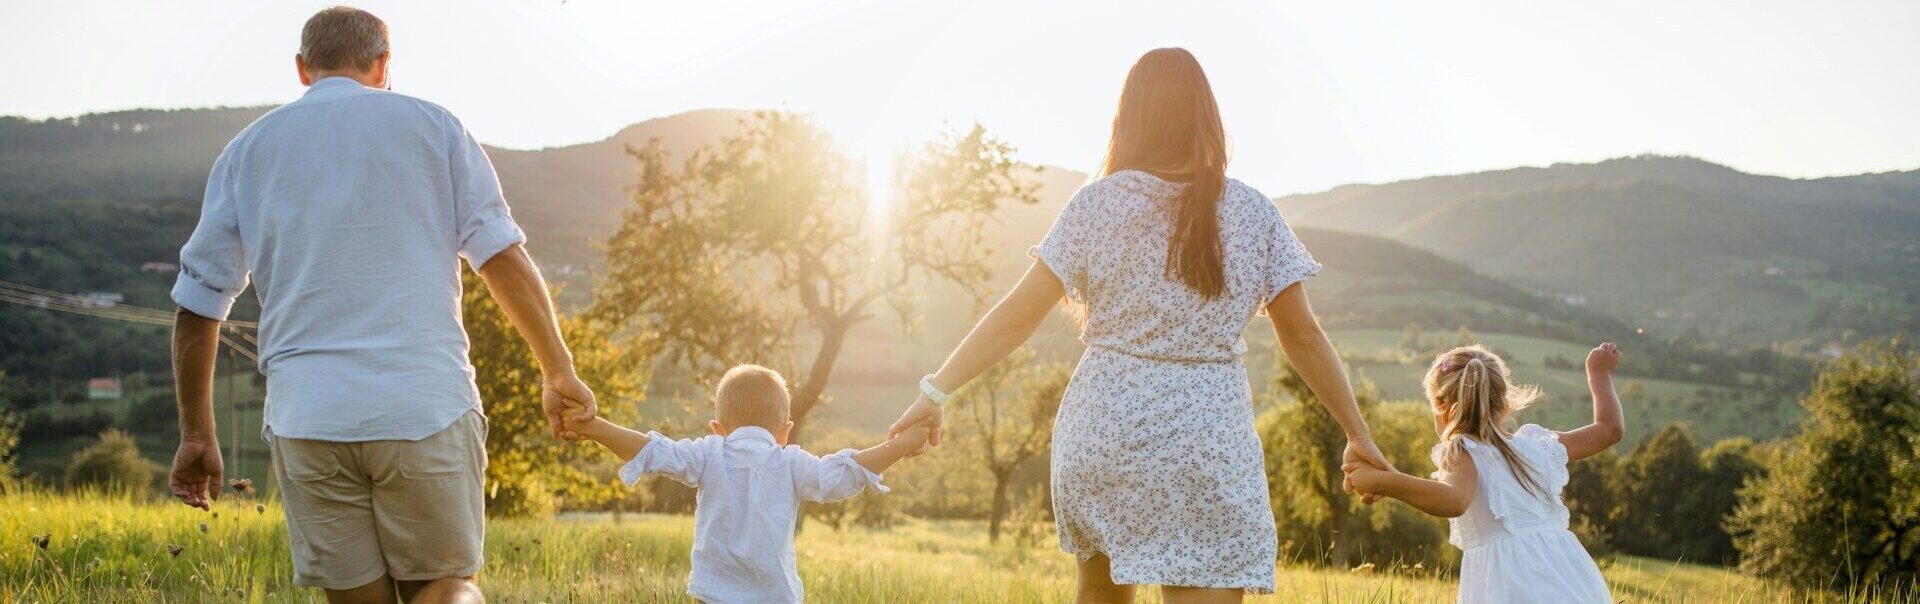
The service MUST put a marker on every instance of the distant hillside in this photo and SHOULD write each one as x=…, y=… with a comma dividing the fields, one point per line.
x=1675, y=243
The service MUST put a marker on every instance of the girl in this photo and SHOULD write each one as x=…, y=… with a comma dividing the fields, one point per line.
x=1500, y=490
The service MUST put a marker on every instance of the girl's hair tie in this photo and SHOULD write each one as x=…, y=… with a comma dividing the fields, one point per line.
x=1447, y=366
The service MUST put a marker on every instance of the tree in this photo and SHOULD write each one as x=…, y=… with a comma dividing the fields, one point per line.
x=1007, y=414
x=1303, y=447
x=1592, y=498
x=776, y=212
x=1727, y=466
x=1841, y=500
x=113, y=462
x=529, y=471
x=1659, y=508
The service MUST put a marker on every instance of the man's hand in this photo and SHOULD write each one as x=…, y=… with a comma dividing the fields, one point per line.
x=565, y=397
x=1363, y=450
x=922, y=410
x=195, y=478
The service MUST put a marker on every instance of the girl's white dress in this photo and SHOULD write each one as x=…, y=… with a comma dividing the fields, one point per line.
x=1515, y=544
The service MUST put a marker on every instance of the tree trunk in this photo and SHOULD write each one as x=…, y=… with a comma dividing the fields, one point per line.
x=808, y=395
x=1000, y=505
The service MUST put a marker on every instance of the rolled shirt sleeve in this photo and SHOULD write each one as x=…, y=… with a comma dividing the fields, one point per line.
x=680, y=460
x=213, y=263
x=831, y=478
x=480, y=205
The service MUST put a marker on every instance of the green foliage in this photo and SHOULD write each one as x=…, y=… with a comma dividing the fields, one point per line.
x=112, y=463
x=9, y=439
x=529, y=472
x=1318, y=522
x=1845, y=492
x=707, y=252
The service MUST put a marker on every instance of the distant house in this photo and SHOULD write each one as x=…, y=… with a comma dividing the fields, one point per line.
x=103, y=389
x=159, y=267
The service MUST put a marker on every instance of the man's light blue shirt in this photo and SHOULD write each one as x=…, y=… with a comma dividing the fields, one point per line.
x=349, y=210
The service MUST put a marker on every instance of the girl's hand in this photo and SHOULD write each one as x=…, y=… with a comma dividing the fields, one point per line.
x=1603, y=359
x=1364, y=478
x=1364, y=450
x=922, y=410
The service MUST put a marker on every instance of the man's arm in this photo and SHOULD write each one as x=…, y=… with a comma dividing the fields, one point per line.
x=195, y=477
x=522, y=294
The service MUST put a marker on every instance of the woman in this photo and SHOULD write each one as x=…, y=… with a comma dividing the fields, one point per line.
x=1158, y=476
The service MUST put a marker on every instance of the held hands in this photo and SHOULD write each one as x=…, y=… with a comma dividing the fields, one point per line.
x=567, y=401
x=922, y=413
x=1603, y=359
x=1362, y=452
x=914, y=438
x=1364, y=478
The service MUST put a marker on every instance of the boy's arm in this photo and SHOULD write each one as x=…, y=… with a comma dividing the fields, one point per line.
x=621, y=440
x=1609, y=423
x=1448, y=497
x=908, y=443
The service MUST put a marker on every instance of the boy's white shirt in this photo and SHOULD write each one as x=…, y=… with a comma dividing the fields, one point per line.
x=750, y=489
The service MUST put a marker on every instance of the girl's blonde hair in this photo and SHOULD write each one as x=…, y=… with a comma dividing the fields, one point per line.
x=1471, y=386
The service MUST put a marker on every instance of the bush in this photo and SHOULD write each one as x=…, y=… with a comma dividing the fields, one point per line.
x=112, y=463
x=1840, y=502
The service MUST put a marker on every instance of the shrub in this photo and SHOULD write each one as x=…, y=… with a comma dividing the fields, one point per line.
x=112, y=463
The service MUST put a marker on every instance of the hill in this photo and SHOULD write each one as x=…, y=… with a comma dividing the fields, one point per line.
x=1674, y=244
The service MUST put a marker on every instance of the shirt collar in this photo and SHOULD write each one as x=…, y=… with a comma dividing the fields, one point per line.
x=752, y=433
x=333, y=86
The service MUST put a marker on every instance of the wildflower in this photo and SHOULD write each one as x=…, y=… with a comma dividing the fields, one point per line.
x=241, y=485
x=174, y=551
x=260, y=508
x=42, y=539
x=1363, y=568
x=203, y=527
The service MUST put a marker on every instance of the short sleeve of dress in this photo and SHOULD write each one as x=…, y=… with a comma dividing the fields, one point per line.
x=1288, y=261
x=1068, y=246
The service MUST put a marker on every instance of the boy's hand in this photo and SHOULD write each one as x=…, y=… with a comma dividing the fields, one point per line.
x=1365, y=478
x=1603, y=359
x=578, y=427
x=914, y=437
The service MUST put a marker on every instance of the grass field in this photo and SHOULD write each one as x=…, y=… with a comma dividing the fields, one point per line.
x=116, y=549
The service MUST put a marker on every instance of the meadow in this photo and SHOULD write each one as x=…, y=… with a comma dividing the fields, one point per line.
x=120, y=548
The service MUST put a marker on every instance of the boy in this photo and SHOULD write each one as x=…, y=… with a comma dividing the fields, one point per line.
x=750, y=483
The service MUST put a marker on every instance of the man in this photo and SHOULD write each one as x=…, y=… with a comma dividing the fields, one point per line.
x=348, y=210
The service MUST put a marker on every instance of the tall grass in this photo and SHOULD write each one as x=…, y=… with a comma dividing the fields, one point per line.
x=115, y=548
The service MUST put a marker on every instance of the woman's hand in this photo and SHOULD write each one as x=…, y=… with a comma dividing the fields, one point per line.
x=922, y=410
x=1363, y=450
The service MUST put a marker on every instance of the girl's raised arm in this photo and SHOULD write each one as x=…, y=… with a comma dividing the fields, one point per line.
x=1609, y=424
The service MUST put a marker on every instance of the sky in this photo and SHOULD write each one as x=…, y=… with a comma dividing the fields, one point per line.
x=1313, y=94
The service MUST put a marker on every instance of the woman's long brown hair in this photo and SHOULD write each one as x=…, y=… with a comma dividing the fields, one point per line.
x=1168, y=125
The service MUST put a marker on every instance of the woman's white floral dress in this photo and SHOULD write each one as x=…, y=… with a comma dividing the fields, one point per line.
x=1155, y=460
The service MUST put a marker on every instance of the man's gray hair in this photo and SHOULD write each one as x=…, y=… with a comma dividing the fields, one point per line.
x=342, y=37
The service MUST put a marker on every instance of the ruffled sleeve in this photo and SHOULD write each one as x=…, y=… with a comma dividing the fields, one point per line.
x=831, y=478
x=1554, y=454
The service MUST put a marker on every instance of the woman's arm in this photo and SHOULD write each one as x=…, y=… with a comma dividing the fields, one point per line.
x=1446, y=498
x=1312, y=354
x=1004, y=329
x=1609, y=423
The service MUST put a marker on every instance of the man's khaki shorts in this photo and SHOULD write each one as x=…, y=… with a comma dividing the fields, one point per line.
x=412, y=510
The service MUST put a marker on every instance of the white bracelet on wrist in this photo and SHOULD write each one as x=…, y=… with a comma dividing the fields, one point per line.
x=932, y=392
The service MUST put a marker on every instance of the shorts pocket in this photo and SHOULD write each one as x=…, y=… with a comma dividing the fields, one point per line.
x=452, y=453
x=309, y=461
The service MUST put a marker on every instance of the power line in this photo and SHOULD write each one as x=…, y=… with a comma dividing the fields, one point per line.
x=27, y=295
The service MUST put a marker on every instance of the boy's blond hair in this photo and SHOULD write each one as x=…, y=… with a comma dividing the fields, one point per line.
x=751, y=395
